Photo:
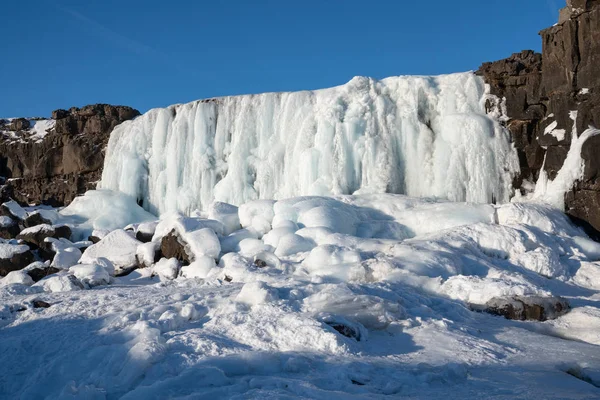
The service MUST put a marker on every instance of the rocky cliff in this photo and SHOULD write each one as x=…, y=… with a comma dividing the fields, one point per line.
x=52, y=161
x=544, y=96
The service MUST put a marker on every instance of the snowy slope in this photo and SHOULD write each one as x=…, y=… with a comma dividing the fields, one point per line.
x=401, y=272
x=421, y=136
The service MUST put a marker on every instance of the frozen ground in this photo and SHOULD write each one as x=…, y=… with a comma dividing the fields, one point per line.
x=399, y=273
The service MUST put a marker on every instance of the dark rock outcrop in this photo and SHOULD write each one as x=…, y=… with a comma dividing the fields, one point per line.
x=555, y=91
x=67, y=162
x=39, y=273
x=532, y=308
x=172, y=246
x=35, y=236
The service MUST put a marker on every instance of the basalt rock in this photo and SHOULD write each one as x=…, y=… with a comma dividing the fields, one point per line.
x=549, y=97
x=528, y=308
x=66, y=162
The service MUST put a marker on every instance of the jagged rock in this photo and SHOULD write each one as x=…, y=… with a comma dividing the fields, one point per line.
x=40, y=304
x=39, y=273
x=9, y=228
x=14, y=257
x=544, y=89
x=19, y=124
x=67, y=162
x=524, y=308
x=34, y=219
x=172, y=246
x=35, y=235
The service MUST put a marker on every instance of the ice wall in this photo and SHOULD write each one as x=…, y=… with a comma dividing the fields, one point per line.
x=421, y=136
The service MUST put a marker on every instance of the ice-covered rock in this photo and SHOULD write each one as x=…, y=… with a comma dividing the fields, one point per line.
x=13, y=209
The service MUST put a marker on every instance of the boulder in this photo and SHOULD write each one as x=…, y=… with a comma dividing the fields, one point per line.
x=14, y=257
x=19, y=124
x=36, y=235
x=37, y=273
x=9, y=228
x=527, y=308
x=172, y=246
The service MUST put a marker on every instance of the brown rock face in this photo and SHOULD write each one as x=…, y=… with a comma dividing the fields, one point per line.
x=528, y=308
x=172, y=246
x=560, y=86
x=67, y=162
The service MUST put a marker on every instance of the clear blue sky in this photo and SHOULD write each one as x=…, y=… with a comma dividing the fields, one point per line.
x=147, y=53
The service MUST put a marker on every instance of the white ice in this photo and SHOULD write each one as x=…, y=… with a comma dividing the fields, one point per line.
x=421, y=136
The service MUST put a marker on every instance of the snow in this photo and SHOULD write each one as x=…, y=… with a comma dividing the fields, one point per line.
x=19, y=277
x=306, y=280
x=199, y=268
x=167, y=268
x=15, y=209
x=203, y=242
x=91, y=275
x=60, y=283
x=6, y=222
x=103, y=210
x=119, y=247
x=421, y=136
x=559, y=134
x=255, y=293
x=7, y=251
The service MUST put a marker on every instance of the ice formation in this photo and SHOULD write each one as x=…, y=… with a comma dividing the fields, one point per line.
x=421, y=136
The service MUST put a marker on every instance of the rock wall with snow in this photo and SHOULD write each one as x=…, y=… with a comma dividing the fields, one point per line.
x=421, y=136
x=53, y=160
x=549, y=96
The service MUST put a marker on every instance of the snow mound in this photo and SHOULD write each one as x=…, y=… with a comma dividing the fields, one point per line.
x=119, y=247
x=103, y=210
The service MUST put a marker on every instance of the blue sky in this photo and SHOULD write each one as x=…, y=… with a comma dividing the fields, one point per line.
x=146, y=53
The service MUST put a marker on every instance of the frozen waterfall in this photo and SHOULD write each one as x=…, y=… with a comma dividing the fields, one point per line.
x=421, y=136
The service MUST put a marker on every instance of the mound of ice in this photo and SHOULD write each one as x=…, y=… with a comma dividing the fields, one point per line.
x=103, y=210
x=422, y=136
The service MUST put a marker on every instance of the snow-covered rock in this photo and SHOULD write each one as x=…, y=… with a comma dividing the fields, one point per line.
x=167, y=268
x=20, y=277
x=119, y=247
x=14, y=257
x=60, y=283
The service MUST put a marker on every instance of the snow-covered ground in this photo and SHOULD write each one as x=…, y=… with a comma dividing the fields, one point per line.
x=255, y=313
